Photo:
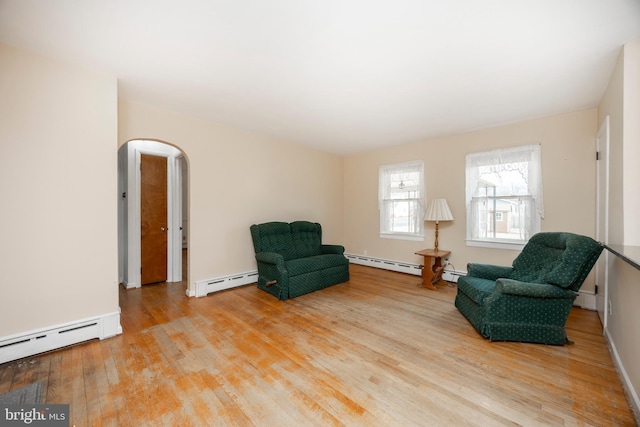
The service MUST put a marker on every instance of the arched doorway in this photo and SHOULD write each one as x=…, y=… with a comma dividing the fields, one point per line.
x=131, y=213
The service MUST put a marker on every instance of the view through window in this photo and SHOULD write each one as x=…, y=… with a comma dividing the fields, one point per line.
x=401, y=200
x=504, y=195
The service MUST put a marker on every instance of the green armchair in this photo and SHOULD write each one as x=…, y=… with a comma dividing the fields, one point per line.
x=530, y=301
x=292, y=260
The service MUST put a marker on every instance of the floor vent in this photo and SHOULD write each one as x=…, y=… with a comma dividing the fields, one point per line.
x=205, y=287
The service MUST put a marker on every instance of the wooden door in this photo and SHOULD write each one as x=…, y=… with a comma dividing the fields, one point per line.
x=153, y=218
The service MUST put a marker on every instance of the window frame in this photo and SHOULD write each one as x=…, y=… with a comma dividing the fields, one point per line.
x=534, y=213
x=385, y=193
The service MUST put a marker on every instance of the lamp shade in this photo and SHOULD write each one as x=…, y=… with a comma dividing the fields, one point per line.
x=438, y=210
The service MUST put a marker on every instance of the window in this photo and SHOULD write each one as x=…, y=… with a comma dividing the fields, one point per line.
x=504, y=196
x=401, y=200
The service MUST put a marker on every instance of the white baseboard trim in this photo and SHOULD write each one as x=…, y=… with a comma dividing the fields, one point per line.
x=449, y=275
x=205, y=287
x=586, y=300
x=385, y=264
x=452, y=275
x=631, y=393
x=130, y=285
x=27, y=344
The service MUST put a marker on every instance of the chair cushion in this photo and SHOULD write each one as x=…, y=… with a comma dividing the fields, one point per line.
x=314, y=263
x=475, y=288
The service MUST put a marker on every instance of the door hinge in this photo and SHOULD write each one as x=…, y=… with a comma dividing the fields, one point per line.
x=597, y=155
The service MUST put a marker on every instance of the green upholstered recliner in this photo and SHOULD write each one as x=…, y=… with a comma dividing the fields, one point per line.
x=530, y=301
x=292, y=260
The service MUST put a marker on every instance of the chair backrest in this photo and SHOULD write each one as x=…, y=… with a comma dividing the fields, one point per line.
x=558, y=258
x=274, y=237
x=299, y=239
x=307, y=238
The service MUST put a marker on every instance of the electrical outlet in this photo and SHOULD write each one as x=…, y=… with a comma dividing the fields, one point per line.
x=446, y=261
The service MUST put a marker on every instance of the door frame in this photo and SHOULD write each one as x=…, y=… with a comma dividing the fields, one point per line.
x=175, y=200
x=131, y=278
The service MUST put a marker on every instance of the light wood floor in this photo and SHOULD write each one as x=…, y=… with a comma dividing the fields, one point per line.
x=375, y=351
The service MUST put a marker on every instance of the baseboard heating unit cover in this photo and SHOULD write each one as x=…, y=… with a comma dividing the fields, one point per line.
x=401, y=267
x=46, y=339
x=205, y=287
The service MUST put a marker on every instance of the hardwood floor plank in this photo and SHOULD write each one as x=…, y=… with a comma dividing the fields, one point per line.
x=377, y=350
x=112, y=398
x=94, y=384
x=71, y=389
x=7, y=372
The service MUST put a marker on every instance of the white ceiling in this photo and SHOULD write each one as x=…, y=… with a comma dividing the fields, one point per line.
x=340, y=75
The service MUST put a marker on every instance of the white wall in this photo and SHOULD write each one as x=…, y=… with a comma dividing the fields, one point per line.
x=611, y=105
x=568, y=166
x=631, y=138
x=238, y=178
x=621, y=102
x=58, y=144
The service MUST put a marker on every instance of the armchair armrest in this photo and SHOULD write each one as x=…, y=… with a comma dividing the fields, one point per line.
x=270, y=258
x=332, y=249
x=272, y=271
x=533, y=290
x=487, y=271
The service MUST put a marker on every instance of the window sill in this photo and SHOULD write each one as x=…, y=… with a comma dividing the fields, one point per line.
x=496, y=244
x=402, y=237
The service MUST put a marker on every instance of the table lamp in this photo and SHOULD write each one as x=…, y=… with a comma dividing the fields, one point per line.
x=438, y=210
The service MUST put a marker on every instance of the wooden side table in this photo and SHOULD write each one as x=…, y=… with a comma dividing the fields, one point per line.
x=428, y=270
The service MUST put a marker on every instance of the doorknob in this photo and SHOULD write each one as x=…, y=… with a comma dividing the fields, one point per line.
x=163, y=229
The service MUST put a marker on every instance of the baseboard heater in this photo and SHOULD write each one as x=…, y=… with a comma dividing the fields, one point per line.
x=585, y=299
x=39, y=341
x=205, y=287
x=449, y=275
